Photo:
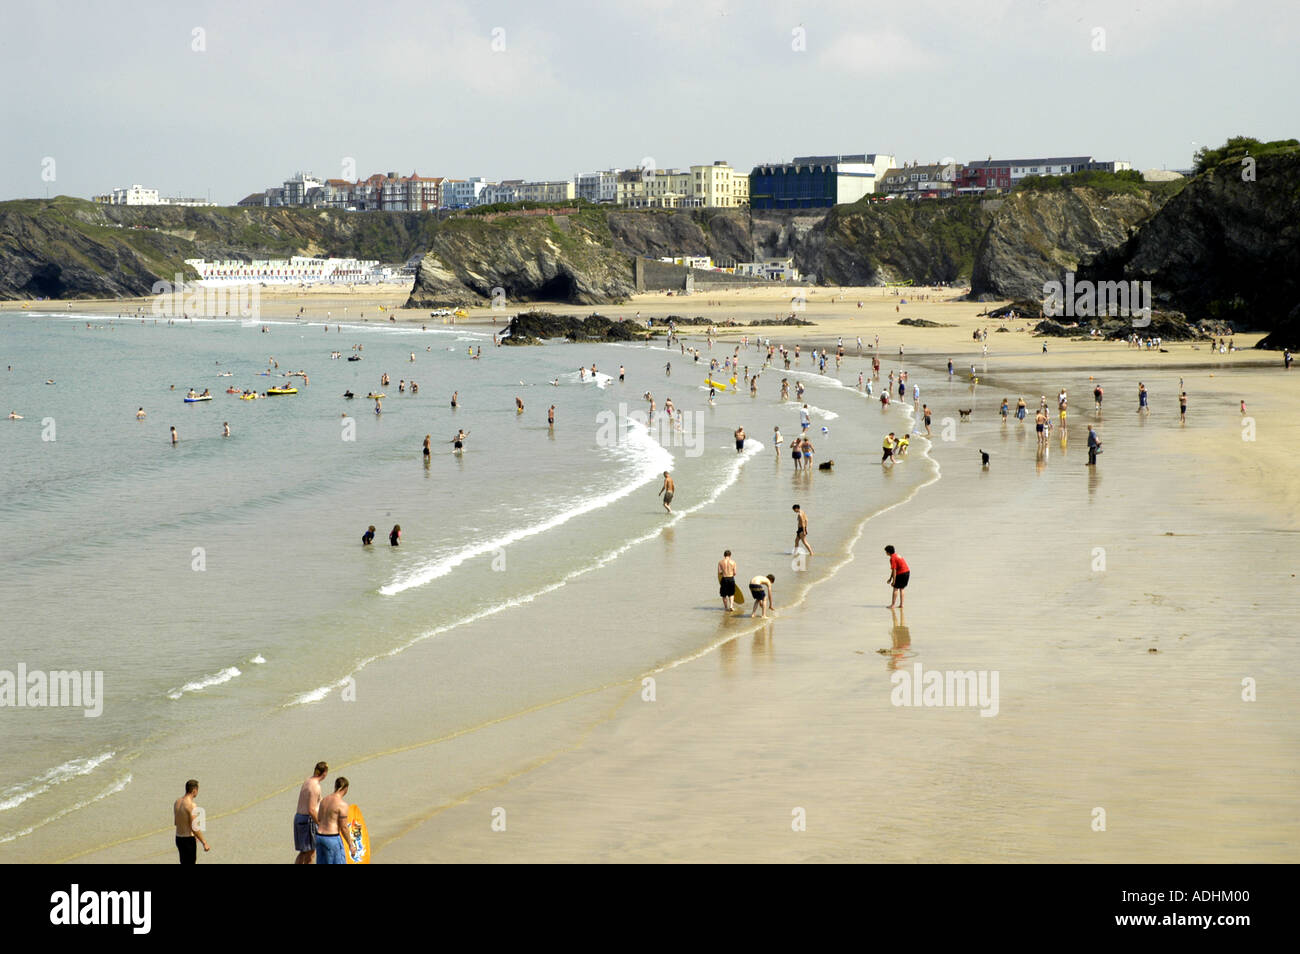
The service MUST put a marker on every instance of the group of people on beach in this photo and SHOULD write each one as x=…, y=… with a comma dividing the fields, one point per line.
x=322, y=831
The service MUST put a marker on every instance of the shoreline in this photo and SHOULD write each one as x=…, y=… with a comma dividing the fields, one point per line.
x=610, y=762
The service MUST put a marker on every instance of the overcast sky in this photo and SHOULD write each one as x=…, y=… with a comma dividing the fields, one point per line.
x=118, y=93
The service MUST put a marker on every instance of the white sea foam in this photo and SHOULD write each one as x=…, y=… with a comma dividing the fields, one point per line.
x=257, y=660
x=206, y=682
x=651, y=461
x=822, y=413
x=111, y=790
x=752, y=449
x=15, y=795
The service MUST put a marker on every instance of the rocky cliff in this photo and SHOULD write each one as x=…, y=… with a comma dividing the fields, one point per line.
x=70, y=248
x=1226, y=248
x=871, y=243
x=472, y=261
x=1036, y=236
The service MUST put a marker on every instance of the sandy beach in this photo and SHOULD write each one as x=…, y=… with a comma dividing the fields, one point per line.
x=1120, y=689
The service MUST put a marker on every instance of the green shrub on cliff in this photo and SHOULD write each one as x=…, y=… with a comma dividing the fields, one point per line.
x=1238, y=147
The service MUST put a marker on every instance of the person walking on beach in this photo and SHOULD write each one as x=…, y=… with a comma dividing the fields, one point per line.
x=727, y=580
x=925, y=416
x=1143, y=407
x=899, y=574
x=189, y=832
x=668, y=489
x=1182, y=408
x=760, y=588
x=796, y=453
x=395, y=535
x=1096, y=397
x=305, y=818
x=368, y=537
x=801, y=531
x=1021, y=409
x=805, y=418
x=1004, y=410
x=332, y=825
x=1094, y=445
x=740, y=439
x=888, y=445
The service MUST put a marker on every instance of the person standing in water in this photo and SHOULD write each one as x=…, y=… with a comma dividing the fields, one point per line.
x=428, y=439
x=225, y=429
x=760, y=588
x=550, y=416
x=667, y=490
x=1182, y=407
x=175, y=437
x=740, y=439
x=395, y=535
x=139, y=415
x=454, y=396
x=368, y=537
x=1094, y=442
x=458, y=442
x=899, y=574
x=801, y=531
x=727, y=580
x=777, y=440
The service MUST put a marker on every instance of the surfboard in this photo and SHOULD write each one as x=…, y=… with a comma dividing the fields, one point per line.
x=360, y=837
x=739, y=596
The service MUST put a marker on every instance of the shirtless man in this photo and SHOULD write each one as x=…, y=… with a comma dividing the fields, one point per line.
x=332, y=824
x=760, y=588
x=186, y=815
x=726, y=580
x=801, y=531
x=667, y=490
x=305, y=819
x=740, y=439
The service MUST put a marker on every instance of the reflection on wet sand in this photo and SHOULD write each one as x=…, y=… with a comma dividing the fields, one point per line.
x=900, y=637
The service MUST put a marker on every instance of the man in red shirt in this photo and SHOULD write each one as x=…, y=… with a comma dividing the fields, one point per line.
x=898, y=577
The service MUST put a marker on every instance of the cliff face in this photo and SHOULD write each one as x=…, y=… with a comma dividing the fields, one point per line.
x=871, y=243
x=1224, y=249
x=1036, y=237
x=535, y=258
x=725, y=235
x=70, y=248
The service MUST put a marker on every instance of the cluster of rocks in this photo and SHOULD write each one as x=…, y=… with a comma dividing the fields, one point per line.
x=534, y=327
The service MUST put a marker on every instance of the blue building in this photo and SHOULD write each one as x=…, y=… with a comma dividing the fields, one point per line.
x=816, y=182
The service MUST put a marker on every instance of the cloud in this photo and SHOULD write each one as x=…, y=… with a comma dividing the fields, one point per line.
x=883, y=52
